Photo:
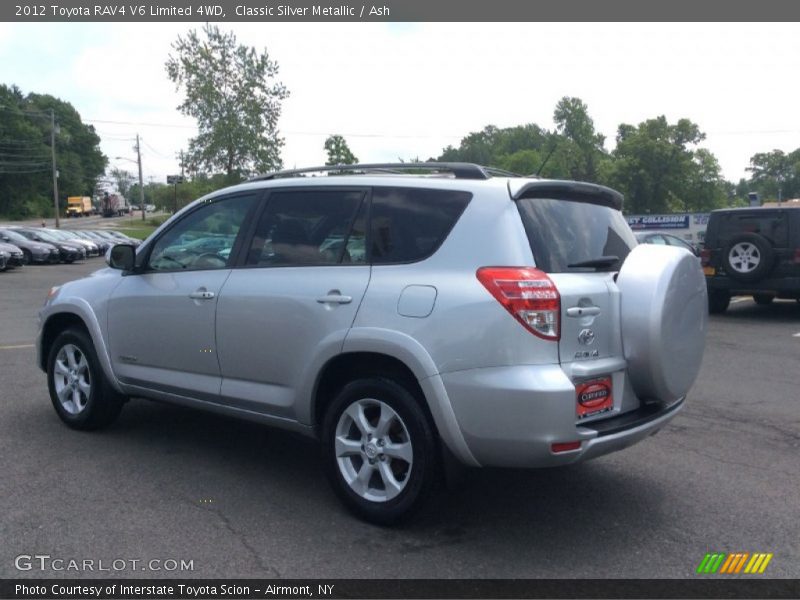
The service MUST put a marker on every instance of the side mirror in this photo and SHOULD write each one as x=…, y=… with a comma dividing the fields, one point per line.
x=121, y=256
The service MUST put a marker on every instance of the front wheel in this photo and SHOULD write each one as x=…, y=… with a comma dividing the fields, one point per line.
x=27, y=257
x=82, y=397
x=379, y=449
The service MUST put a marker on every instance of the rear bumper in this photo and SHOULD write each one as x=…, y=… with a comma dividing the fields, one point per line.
x=511, y=416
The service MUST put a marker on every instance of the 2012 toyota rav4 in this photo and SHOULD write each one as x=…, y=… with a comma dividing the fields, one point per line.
x=404, y=320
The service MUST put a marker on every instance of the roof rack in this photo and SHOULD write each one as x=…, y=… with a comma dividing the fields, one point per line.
x=458, y=170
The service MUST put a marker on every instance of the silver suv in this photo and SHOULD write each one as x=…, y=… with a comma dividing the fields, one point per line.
x=408, y=316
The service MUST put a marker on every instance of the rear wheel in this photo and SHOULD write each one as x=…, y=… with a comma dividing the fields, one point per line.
x=379, y=450
x=718, y=301
x=82, y=397
x=763, y=299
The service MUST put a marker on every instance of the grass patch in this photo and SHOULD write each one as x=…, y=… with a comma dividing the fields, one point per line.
x=140, y=232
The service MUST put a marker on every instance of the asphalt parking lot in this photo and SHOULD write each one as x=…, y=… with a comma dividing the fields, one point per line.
x=240, y=500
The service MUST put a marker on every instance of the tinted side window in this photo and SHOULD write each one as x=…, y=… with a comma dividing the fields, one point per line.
x=307, y=227
x=409, y=224
x=203, y=239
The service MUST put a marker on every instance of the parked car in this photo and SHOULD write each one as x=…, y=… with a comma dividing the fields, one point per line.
x=16, y=258
x=665, y=239
x=119, y=237
x=74, y=239
x=754, y=252
x=407, y=322
x=33, y=252
x=68, y=253
x=4, y=258
x=102, y=243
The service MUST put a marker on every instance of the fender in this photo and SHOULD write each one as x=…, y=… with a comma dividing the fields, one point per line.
x=411, y=353
x=79, y=307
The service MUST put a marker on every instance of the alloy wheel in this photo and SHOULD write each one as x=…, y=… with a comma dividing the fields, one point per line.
x=72, y=379
x=373, y=450
x=744, y=257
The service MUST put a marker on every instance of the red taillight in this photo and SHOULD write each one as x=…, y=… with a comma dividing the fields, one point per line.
x=564, y=447
x=529, y=295
x=705, y=257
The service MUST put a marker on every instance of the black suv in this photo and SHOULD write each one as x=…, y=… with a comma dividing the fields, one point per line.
x=753, y=252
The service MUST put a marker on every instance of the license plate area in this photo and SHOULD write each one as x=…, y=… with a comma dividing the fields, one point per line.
x=593, y=397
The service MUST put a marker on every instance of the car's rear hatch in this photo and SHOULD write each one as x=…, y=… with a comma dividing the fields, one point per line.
x=580, y=239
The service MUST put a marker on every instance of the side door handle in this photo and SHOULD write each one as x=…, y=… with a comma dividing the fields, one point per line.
x=583, y=311
x=201, y=295
x=335, y=297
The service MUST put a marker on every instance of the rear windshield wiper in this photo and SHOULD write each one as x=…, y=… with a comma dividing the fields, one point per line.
x=600, y=261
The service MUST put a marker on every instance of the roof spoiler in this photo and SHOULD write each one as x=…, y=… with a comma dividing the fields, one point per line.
x=566, y=190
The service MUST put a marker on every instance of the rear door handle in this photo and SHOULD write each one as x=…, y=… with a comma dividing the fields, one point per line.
x=334, y=297
x=201, y=295
x=583, y=311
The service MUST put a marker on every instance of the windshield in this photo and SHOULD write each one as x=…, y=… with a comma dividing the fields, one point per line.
x=45, y=235
x=13, y=236
x=563, y=234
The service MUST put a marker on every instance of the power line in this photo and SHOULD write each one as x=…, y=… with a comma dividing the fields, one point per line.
x=140, y=124
x=156, y=151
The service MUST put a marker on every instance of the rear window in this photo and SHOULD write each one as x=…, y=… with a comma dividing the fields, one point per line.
x=409, y=224
x=772, y=225
x=563, y=233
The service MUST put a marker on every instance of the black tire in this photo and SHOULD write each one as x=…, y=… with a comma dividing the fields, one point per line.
x=762, y=252
x=422, y=473
x=718, y=301
x=27, y=257
x=103, y=405
x=763, y=299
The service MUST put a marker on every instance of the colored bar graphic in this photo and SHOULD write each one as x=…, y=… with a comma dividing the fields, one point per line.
x=728, y=563
x=741, y=562
x=717, y=563
x=703, y=564
x=732, y=564
x=765, y=563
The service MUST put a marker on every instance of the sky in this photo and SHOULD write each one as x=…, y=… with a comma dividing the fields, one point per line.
x=400, y=91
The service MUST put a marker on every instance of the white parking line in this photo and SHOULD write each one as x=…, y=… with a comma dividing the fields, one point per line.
x=18, y=346
x=740, y=299
x=796, y=335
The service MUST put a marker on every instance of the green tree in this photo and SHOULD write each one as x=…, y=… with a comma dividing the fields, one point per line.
x=775, y=174
x=26, y=182
x=338, y=151
x=581, y=147
x=232, y=92
x=659, y=169
x=123, y=180
x=513, y=148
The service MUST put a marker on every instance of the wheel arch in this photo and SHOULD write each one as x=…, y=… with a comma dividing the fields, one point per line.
x=349, y=366
x=63, y=317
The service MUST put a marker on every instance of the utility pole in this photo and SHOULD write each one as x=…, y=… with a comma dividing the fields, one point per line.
x=55, y=172
x=141, y=186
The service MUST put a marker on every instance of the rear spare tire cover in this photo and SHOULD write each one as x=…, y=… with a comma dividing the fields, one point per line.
x=664, y=320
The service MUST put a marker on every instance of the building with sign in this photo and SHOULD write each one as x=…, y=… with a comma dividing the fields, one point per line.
x=687, y=226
